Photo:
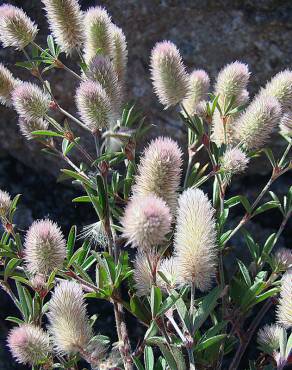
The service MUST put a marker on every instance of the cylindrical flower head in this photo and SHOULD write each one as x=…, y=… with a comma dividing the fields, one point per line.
x=198, y=90
x=159, y=171
x=66, y=23
x=44, y=247
x=119, y=52
x=284, y=311
x=98, y=38
x=286, y=124
x=16, y=28
x=27, y=127
x=234, y=161
x=29, y=344
x=5, y=204
x=256, y=124
x=100, y=69
x=7, y=84
x=93, y=105
x=142, y=272
x=168, y=74
x=195, y=239
x=280, y=87
x=69, y=324
x=30, y=102
x=146, y=221
x=283, y=258
x=269, y=337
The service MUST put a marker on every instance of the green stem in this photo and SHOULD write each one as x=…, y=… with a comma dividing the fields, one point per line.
x=285, y=153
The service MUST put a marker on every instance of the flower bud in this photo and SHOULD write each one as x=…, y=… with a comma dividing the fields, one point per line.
x=269, y=337
x=119, y=52
x=27, y=127
x=5, y=204
x=7, y=84
x=16, y=28
x=286, y=124
x=234, y=161
x=168, y=74
x=284, y=310
x=168, y=267
x=283, y=258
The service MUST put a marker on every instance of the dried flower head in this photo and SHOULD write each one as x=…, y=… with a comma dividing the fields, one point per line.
x=284, y=311
x=7, y=84
x=27, y=127
x=119, y=52
x=142, y=271
x=195, y=239
x=280, y=87
x=168, y=267
x=199, y=85
x=98, y=38
x=283, y=258
x=16, y=28
x=168, y=74
x=93, y=105
x=286, y=124
x=69, y=324
x=146, y=221
x=234, y=161
x=256, y=124
x=269, y=337
x=30, y=102
x=159, y=171
x=44, y=247
x=5, y=204
x=29, y=344
x=66, y=23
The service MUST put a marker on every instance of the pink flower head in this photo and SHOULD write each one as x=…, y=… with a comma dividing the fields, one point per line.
x=7, y=84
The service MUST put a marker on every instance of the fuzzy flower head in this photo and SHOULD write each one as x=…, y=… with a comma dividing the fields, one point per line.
x=5, y=204
x=159, y=171
x=29, y=344
x=280, y=87
x=119, y=52
x=27, y=127
x=66, y=23
x=168, y=267
x=283, y=258
x=146, y=221
x=98, y=38
x=69, y=324
x=269, y=338
x=93, y=105
x=16, y=28
x=195, y=239
x=234, y=161
x=199, y=86
x=142, y=272
x=284, y=311
x=44, y=247
x=30, y=102
x=168, y=74
x=7, y=84
x=286, y=124
x=257, y=123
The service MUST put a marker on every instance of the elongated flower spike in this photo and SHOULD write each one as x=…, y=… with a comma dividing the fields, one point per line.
x=234, y=161
x=284, y=310
x=30, y=102
x=69, y=324
x=98, y=38
x=27, y=127
x=199, y=86
x=5, y=204
x=119, y=52
x=66, y=23
x=195, y=240
x=257, y=123
x=286, y=124
x=168, y=74
x=7, y=84
x=146, y=222
x=16, y=28
x=93, y=105
x=44, y=247
x=29, y=344
x=159, y=171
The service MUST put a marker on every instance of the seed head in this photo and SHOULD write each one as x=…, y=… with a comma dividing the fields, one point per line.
x=119, y=52
x=30, y=102
x=44, y=247
x=286, y=124
x=199, y=85
x=146, y=221
x=195, y=239
x=168, y=74
x=234, y=161
x=284, y=311
x=5, y=204
x=283, y=258
x=256, y=124
x=269, y=337
x=159, y=171
x=29, y=344
x=93, y=105
x=7, y=84
x=27, y=127
x=66, y=23
x=16, y=28
x=69, y=324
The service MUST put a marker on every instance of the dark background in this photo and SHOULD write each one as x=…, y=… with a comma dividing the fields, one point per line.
x=209, y=34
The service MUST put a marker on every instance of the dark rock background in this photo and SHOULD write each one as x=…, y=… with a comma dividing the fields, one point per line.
x=209, y=34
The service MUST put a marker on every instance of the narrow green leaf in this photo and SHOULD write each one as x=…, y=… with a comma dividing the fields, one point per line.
x=46, y=133
x=71, y=241
x=148, y=358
